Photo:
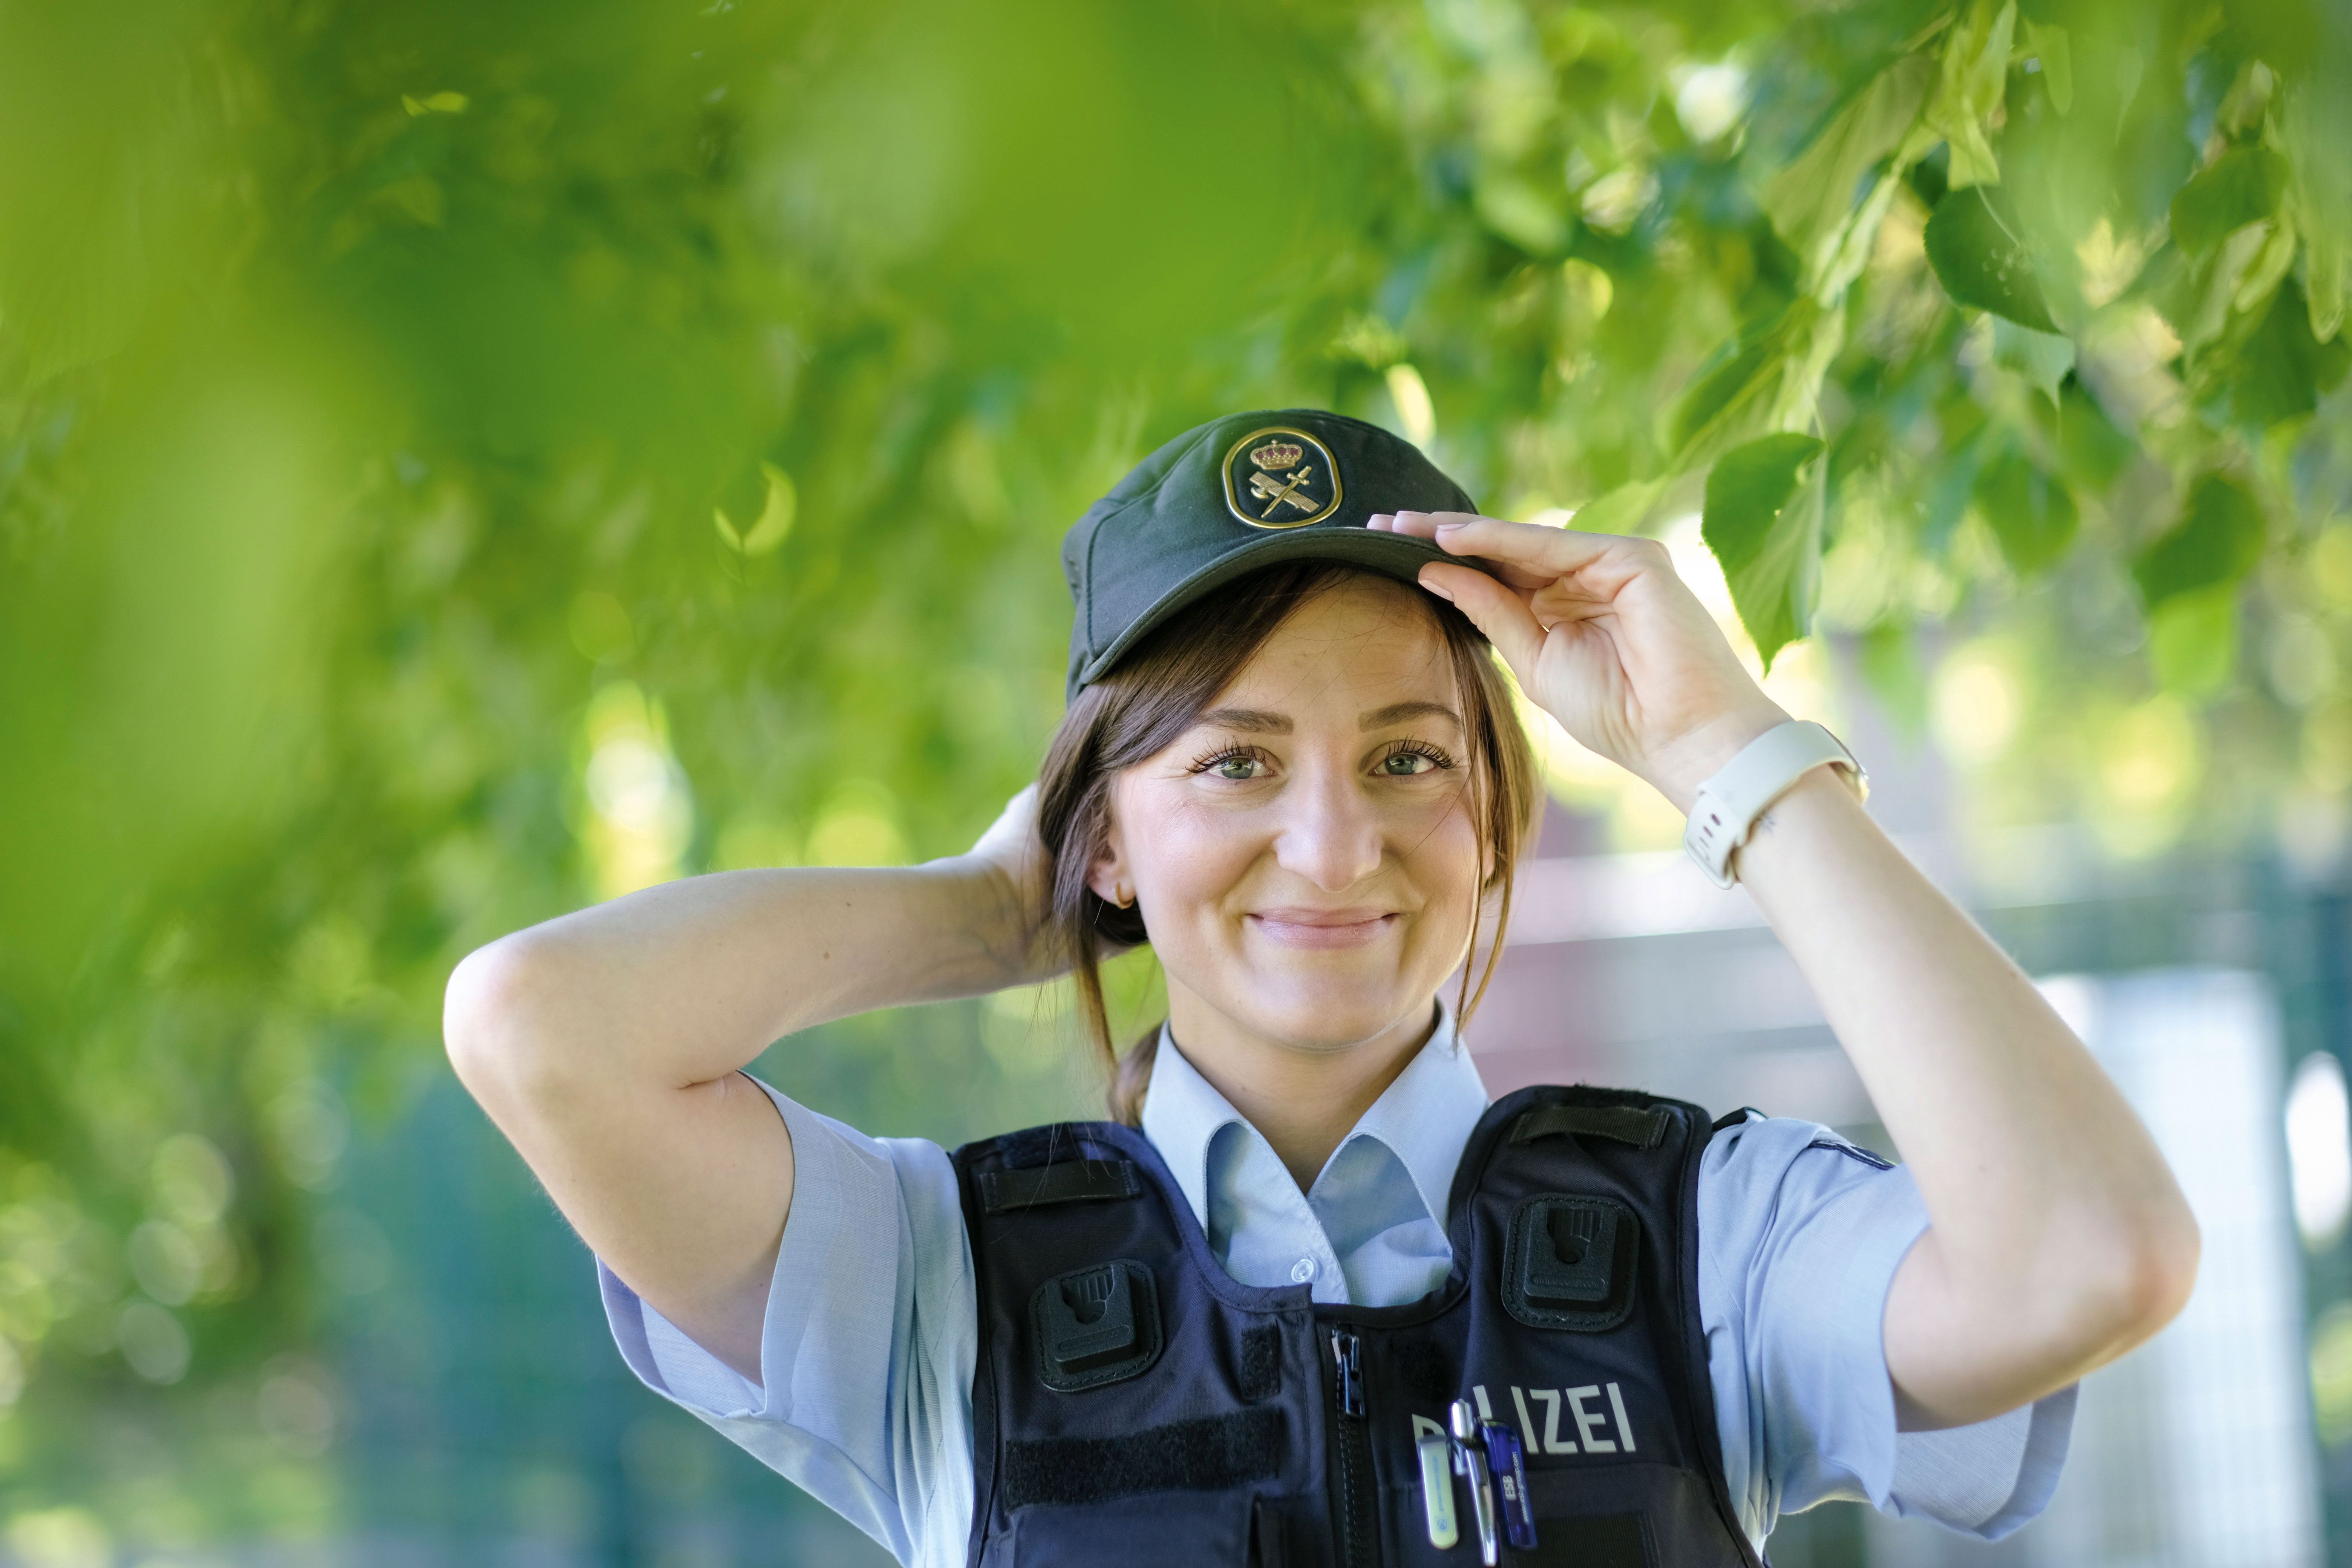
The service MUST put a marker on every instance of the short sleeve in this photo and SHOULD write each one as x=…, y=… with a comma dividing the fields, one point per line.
x=867, y=1348
x=1800, y=1236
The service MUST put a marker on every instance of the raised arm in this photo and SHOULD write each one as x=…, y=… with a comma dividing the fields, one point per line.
x=606, y=1046
x=2058, y=1239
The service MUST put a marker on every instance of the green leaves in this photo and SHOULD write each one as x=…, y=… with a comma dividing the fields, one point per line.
x=1768, y=377
x=2279, y=371
x=2217, y=542
x=2032, y=513
x=2041, y=358
x=2241, y=187
x=1982, y=262
x=1811, y=201
x=1975, y=70
x=1770, y=548
x=2315, y=127
x=774, y=521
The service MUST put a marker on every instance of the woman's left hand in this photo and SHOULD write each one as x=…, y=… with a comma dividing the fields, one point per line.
x=1607, y=639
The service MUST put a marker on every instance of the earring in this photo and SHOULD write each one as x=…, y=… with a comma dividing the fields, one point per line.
x=1124, y=897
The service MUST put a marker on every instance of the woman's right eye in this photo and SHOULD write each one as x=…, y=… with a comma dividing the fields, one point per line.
x=1236, y=767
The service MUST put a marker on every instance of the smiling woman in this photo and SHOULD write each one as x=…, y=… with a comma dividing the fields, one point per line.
x=1308, y=1276
x=1360, y=741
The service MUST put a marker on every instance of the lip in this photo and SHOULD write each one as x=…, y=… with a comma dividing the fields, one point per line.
x=1312, y=928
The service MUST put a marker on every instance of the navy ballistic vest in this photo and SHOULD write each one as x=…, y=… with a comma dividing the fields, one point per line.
x=1134, y=1405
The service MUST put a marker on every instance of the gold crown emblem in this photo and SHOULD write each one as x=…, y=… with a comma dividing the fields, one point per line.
x=1277, y=455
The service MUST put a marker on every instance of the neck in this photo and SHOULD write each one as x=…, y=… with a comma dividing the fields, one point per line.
x=1302, y=1100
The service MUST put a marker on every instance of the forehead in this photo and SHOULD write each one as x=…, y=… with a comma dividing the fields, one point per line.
x=1366, y=642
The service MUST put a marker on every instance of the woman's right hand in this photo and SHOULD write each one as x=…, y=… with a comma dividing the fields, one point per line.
x=1604, y=636
x=1012, y=859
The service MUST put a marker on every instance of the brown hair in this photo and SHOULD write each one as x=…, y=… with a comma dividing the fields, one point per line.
x=1159, y=692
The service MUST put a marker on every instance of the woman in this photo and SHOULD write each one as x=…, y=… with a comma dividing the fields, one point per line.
x=1237, y=1327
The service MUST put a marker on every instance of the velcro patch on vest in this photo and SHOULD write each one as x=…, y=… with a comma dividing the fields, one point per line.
x=1643, y=1129
x=1209, y=1453
x=1568, y=1262
x=1064, y=1181
x=1260, y=1373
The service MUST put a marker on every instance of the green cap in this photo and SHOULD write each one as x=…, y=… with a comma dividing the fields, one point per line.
x=1238, y=493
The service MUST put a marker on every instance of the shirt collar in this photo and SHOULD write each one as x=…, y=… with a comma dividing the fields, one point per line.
x=1424, y=1118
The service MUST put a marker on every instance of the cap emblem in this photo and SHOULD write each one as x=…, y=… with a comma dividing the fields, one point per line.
x=1287, y=479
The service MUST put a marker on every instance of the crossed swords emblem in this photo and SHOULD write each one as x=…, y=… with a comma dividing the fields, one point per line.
x=1277, y=489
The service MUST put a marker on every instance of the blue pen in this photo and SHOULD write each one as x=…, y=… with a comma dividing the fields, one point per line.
x=1507, y=1462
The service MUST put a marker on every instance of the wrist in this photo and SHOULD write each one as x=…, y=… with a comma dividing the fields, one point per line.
x=1732, y=804
x=995, y=911
x=1677, y=770
x=1814, y=800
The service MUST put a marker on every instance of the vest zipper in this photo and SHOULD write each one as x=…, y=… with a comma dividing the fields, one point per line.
x=1351, y=1460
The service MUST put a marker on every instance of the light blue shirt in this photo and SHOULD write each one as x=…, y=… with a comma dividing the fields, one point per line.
x=870, y=1341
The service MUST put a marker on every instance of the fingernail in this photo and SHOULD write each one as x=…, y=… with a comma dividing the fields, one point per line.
x=1450, y=527
x=1436, y=590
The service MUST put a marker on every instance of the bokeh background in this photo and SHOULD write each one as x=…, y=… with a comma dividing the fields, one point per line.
x=460, y=462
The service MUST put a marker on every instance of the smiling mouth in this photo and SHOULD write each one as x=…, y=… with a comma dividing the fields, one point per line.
x=1323, y=928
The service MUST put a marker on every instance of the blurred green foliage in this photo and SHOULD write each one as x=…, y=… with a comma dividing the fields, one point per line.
x=458, y=461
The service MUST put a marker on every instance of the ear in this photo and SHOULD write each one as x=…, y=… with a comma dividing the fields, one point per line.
x=1108, y=878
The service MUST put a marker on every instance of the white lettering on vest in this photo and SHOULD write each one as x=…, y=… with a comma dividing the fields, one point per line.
x=1588, y=1420
x=1549, y=1399
x=1527, y=1427
x=1624, y=1427
x=1593, y=1427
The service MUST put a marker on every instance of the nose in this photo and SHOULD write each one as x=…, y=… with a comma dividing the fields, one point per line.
x=1330, y=832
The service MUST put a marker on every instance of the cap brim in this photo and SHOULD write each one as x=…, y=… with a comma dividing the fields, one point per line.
x=1398, y=556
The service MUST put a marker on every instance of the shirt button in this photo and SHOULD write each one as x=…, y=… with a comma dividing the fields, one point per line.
x=1302, y=1272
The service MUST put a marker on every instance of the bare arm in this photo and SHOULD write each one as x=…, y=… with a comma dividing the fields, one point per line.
x=2058, y=1239
x=606, y=1046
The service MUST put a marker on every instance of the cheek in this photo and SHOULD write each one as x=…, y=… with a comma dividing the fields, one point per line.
x=1449, y=860
x=1183, y=855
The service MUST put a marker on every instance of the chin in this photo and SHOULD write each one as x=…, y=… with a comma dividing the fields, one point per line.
x=1328, y=1020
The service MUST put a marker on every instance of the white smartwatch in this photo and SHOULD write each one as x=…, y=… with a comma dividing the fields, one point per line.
x=1728, y=803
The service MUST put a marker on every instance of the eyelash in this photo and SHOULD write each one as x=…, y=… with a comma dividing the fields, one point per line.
x=1224, y=754
x=1438, y=757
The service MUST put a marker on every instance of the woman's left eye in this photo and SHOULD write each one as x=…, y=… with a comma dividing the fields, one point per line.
x=1403, y=764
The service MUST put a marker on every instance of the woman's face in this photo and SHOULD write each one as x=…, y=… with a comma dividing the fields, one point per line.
x=1306, y=856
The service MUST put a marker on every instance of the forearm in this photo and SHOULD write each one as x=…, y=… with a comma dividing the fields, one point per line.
x=2059, y=1236
x=686, y=982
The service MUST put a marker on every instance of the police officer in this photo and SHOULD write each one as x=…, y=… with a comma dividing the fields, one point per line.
x=1308, y=1297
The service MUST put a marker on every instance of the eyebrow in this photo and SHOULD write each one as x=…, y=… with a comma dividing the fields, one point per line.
x=1251, y=720
x=1398, y=713
x=1259, y=722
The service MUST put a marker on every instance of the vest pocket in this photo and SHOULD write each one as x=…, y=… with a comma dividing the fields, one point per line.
x=1156, y=1529
x=1582, y=1519
x=1594, y=1541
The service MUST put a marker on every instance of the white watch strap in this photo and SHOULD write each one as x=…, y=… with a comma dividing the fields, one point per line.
x=1728, y=804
